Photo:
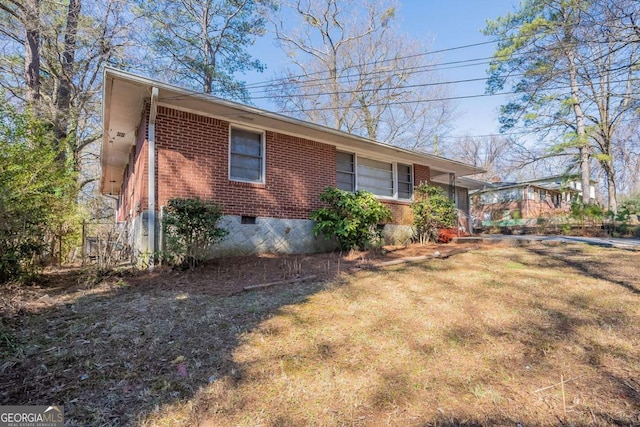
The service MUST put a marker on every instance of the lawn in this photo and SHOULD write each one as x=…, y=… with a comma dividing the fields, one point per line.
x=532, y=335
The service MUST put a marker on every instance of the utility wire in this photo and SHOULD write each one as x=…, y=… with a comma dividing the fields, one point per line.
x=383, y=61
x=388, y=88
x=284, y=80
x=453, y=98
x=414, y=70
x=268, y=86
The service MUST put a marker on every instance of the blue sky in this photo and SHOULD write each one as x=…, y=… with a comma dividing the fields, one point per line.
x=454, y=23
x=446, y=24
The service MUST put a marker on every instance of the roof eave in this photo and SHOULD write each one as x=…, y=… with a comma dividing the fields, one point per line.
x=110, y=74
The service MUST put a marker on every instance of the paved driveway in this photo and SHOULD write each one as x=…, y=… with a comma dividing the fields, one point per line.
x=608, y=242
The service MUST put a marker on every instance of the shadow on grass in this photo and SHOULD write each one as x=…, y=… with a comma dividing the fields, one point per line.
x=112, y=357
x=569, y=257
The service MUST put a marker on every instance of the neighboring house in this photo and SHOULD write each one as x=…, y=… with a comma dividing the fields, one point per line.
x=266, y=169
x=515, y=203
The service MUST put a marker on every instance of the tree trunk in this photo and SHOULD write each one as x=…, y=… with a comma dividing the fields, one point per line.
x=63, y=93
x=579, y=114
x=32, y=50
x=611, y=187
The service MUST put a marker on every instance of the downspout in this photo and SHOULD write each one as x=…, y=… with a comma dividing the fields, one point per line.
x=152, y=176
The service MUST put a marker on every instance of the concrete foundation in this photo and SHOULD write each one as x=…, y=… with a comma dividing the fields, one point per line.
x=266, y=235
x=269, y=235
x=397, y=234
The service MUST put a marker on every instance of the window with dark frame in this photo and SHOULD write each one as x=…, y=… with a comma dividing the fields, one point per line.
x=405, y=181
x=345, y=171
x=246, y=150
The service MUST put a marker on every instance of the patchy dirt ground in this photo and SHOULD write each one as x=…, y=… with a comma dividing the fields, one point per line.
x=227, y=276
x=536, y=335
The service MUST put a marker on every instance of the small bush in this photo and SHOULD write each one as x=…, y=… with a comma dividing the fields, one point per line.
x=351, y=218
x=432, y=210
x=191, y=227
x=583, y=212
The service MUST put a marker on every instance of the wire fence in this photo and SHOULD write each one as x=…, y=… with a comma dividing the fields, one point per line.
x=105, y=244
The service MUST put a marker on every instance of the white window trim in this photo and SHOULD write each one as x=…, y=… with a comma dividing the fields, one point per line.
x=395, y=197
x=263, y=166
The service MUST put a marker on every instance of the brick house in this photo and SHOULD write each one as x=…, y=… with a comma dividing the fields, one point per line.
x=521, y=203
x=266, y=169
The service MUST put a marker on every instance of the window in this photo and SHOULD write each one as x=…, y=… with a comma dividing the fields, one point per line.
x=375, y=176
x=381, y=178
x=405, y=182
x=531, y=193
x=246, y=155
x=345, y=171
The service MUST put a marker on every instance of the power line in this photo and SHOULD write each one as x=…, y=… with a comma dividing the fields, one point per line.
x=513, y=133
x=284, y=80
x=415, y=70
x=340, y=92
x=452, y=98
x=383, y=61
x=413, y=86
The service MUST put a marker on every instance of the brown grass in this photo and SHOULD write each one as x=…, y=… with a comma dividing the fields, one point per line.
x=536, y=335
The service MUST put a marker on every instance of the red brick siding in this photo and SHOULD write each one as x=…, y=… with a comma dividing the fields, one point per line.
x=193, y=161
x=400, y=211
x=526, y=208
x=134, y=190
x=421, y=174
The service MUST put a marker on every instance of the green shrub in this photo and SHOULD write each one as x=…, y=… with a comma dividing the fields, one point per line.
x=351, y=218
x=432, y=210
x=37, y=196
x=190, y=228
x=586, y=211
x=631, y=204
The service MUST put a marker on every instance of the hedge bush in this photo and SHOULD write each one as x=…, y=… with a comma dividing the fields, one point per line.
x=351, y=218
x=190, y=229
x=432, y=210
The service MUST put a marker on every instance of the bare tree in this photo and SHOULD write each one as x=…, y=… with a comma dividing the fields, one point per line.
x=627, y=156
x=353, y=70
x=492, y=153
x=21, y=27
x=74, y=40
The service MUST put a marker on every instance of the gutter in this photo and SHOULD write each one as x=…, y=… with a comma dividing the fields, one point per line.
x=152, y=175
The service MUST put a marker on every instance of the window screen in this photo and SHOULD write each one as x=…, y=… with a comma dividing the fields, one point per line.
x=375, y=176
x=345, y=171
x=246, y=155
x=405, y=182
